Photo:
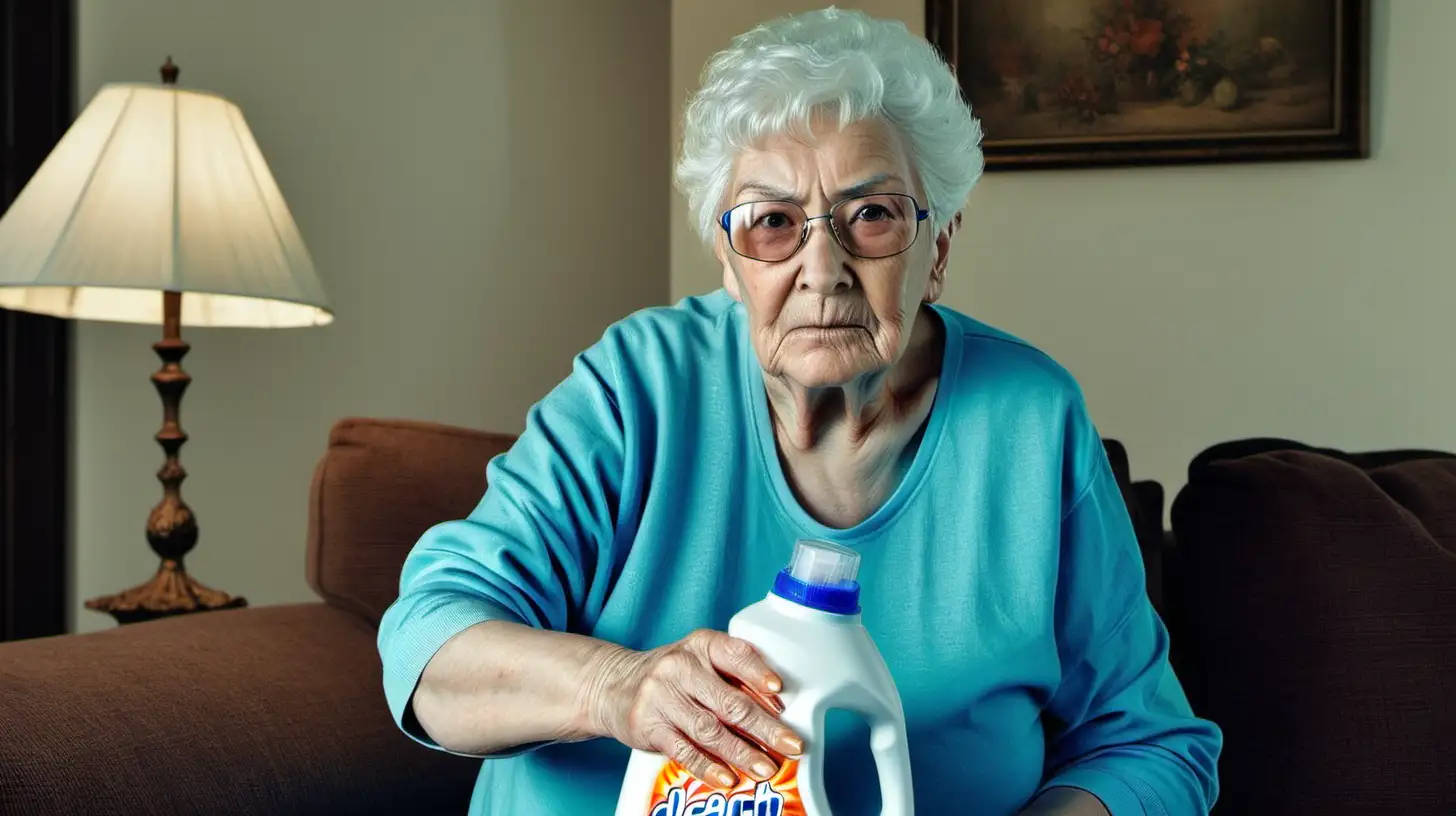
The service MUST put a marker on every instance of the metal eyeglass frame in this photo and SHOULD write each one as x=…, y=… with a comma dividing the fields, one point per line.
x=725, y=222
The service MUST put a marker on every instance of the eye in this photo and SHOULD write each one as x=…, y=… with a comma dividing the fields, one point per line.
x=872, y=212
x=773, y=220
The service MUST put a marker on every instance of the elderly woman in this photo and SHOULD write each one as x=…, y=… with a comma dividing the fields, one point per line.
x=822, y=393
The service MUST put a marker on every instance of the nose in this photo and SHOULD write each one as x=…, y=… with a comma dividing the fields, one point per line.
x=823, y=265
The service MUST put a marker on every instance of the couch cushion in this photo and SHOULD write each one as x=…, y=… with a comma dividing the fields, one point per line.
x=270, y=710
x=1316, y=601
x=380, y=485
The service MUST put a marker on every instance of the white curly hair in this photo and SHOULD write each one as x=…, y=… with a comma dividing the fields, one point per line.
x=774, y=78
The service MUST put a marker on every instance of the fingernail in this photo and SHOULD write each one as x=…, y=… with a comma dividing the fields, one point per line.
x=774, y=684
x=763, y=770
x=792, y=745
x=725, y=779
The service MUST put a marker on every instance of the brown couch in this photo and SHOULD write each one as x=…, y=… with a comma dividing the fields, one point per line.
x=269, y=710
x=1312, y=600
x=1311, y=595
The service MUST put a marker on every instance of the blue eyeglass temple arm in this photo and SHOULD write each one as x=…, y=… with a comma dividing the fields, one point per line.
x=723, y=220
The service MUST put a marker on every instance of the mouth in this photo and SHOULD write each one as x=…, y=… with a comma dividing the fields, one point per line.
x=823, y=331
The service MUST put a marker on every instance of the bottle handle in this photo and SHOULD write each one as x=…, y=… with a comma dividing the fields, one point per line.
x=891, y=750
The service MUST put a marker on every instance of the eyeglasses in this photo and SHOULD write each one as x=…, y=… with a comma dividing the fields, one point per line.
x=868, y=227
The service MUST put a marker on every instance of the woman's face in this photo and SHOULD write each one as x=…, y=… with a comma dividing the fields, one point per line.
x=825, y=317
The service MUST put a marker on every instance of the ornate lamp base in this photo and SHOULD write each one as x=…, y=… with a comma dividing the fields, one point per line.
x=170, y=592
x=171, y=527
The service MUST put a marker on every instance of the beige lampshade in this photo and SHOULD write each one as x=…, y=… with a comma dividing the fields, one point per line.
x=156, y=188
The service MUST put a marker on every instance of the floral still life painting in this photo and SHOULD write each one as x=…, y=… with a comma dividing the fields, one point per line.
x=1087, y=82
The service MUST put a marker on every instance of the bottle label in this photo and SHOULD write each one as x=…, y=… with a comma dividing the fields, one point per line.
x=679, y=793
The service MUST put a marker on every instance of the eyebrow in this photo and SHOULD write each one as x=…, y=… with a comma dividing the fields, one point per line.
x=763, y=189
x=872, y=184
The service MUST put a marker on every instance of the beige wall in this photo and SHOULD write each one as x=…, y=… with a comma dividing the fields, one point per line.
x=433, y=154
x=1309, y=300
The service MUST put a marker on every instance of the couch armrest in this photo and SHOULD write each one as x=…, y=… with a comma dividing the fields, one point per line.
x=267, y=710
x=382, y=484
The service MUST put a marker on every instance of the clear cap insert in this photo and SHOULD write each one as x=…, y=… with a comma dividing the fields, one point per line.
x=823, y=564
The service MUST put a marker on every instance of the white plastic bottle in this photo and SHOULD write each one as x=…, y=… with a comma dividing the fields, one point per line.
x=808, y=629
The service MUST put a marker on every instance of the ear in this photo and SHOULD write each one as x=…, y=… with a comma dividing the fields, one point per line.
x=730, y=278
x=936, y=285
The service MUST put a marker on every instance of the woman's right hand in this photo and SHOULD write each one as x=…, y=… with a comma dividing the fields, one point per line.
x=680, y=701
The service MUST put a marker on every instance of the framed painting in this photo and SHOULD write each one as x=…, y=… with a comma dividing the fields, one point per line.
x=1065, y=83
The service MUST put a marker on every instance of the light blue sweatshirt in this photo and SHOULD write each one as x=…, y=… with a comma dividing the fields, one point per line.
x=1001, y=580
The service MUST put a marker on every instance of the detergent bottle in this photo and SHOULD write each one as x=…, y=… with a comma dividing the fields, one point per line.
x=808, y=629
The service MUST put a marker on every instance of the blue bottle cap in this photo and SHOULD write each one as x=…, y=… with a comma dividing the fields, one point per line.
x=821, y=576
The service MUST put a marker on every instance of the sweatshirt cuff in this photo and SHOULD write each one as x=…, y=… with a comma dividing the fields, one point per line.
x=1118, y=796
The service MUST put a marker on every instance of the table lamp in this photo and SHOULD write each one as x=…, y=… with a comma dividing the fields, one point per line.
x=157, y=207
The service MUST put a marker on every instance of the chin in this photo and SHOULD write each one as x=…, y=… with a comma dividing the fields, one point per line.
x=828, y=370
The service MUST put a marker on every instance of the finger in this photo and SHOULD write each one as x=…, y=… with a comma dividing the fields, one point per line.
x=675, y=744
x=712, y=736
x=772, y=702
x=741, y=713
x=738, y=659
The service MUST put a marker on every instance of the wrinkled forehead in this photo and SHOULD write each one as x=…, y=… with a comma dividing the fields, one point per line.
x=824, y=160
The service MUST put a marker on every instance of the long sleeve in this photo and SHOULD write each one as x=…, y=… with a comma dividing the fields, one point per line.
x=1119, y=726
x=540, y=547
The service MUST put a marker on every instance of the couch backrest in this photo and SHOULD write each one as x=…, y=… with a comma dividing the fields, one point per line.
x=1144, y=500
x=380, y=485
x=1316, y=610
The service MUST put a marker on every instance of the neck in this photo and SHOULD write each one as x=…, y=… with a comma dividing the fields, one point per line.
x=845, y=449
x=808, y=419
